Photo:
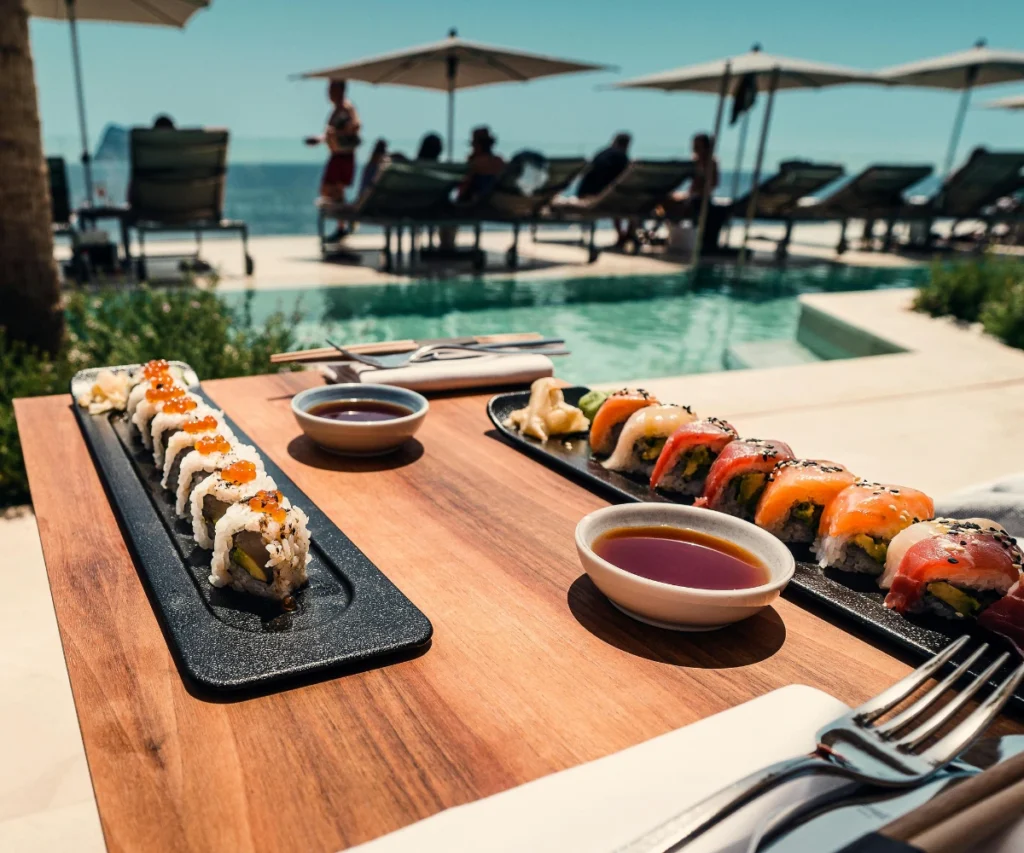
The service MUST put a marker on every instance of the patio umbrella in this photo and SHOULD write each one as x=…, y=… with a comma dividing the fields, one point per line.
x=725, y=76
x=450, y=65
x=1014, y=102
x=163, y=13
x=963, y=70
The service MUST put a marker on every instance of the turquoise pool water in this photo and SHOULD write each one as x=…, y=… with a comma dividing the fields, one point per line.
x=617, y=327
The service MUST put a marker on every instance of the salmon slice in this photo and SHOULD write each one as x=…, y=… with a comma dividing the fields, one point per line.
x=688, y=455
x=963, y=571
x=614, y=412
x=738, y=477
x=798, y=494
x=879, y=510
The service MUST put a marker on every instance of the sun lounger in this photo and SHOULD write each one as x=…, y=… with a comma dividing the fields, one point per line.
x=177, y=184
x=642, y=186
x=876, y=193
x=971, y=192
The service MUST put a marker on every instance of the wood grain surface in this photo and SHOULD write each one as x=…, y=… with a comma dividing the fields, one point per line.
x=530, y=671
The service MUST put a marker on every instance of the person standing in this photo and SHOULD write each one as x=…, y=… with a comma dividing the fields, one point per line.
x=342, y=139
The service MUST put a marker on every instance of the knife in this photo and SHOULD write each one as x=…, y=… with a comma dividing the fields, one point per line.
x=829, y=822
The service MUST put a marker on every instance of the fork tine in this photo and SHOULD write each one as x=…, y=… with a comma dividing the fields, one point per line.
x=932, y=725
x=874, y=708
x=948, y=747
x=908, y=715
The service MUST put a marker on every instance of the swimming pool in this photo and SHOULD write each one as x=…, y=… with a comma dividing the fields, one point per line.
x=617, y=327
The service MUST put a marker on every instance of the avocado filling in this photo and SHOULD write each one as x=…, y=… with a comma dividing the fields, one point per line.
x=751, y=486
x=876, y=549
x=250, y=554
x=807, y=512
x=964, y=603
x=695, y=463
x=649, y=449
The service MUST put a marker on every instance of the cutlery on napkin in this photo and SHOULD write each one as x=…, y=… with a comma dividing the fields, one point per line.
x=319, y=354
x=482, y=371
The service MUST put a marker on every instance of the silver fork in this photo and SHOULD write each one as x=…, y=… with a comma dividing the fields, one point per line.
x=853, y=746
x=430, y=352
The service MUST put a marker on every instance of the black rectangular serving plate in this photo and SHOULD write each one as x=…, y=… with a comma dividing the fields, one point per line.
x=848, y=596
x=349, y=615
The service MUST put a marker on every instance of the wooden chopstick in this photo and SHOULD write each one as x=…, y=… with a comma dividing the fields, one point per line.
x=392, y=347
x=963, y=816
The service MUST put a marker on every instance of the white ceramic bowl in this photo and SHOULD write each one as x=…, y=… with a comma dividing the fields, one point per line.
x=359, y=438
x=676, y=607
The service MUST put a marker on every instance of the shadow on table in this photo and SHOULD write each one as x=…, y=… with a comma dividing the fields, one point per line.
x=302, y=449
x=752, y=640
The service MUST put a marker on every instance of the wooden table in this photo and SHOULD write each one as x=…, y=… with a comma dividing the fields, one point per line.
x=531, y=670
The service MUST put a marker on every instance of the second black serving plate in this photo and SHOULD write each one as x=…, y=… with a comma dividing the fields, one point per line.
x=847, y=596
x=349, y=615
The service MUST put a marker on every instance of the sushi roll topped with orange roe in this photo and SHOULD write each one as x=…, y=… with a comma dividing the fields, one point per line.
x=798, y=493
x=857, y=527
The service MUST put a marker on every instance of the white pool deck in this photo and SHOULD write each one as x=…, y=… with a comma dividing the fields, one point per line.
x=941, y=416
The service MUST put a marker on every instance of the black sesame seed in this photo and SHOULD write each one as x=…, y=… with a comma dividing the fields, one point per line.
x=952, y=560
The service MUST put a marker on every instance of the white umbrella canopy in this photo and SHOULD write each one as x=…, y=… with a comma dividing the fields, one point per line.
x=725, y=76
x=962, y=71
x=163, y=13
x=1014, y=102
x=453, y=64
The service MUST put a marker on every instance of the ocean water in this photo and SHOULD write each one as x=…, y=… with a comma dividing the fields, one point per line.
x=274, y=198
x=617, y=327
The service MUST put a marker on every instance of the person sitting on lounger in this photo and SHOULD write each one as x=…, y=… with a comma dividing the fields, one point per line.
x=430, y=149
x=163, y=122
x=484, y=166
x=342, y=138
x=378, y=157
x=606, y=166
x=686, y=205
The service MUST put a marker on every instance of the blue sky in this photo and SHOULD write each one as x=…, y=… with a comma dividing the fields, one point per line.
x=231, y=65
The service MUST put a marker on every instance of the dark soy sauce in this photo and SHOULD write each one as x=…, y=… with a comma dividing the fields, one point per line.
x=360, y=411
x=681, y=557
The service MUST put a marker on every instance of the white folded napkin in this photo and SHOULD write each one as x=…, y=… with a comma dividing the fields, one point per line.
x=450, y=374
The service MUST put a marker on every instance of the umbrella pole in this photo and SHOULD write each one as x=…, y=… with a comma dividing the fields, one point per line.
x=759, y=162
x=723, y=91
x=76, y=59
x=958, y=126
x=734, y=191
x=453, y=73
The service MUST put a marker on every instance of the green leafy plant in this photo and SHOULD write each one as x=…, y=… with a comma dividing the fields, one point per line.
x=129, y=326
x=962, y=288
x=1004, y=316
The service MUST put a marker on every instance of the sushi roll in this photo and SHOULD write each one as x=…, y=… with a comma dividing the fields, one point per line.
x=798, y=493
x=643, y=437
x=219, y=491
x=181, y=442
x=261, y=547
x=1006, y=616
x=957, y=574
x=910, y=536
x=161, y=390
x=859, y=524
x=738, y=476
x=611, y=417
x=157, y=369
x=689, y=454
x=170, y=419
x=209, y=454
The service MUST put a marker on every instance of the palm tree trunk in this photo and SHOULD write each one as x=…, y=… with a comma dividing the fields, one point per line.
x=29, y=285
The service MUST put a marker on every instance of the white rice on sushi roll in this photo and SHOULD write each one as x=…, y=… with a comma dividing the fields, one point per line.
x=154, y=398
x=181, y=442
x=198, y=465
x=165, y=423
x=139, y=381
x=215, y=495
x=261, y=547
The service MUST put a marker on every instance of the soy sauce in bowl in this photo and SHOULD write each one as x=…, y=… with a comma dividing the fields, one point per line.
x=359, y=411
x=681, y=557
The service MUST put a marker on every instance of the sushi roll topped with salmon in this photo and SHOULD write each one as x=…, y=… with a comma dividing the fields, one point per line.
x=798, y=493
x=859, y=524
x=606, y=426
x=689, y=454
x=957, y=574
x=739, y=474
x=644, y=435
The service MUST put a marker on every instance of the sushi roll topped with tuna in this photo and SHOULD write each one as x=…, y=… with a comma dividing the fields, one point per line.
x=643, y=437
x=798, y=493
x=859, y=524
x=738, y=476
x=686, y=460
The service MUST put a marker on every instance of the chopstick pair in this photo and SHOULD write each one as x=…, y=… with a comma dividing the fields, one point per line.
x=401, y=346
x=957, y=820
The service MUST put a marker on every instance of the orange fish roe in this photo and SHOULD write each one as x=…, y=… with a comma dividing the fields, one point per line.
x=242, y=471
x=207, y=424
x=270, y=504
x=161, y=392
x=156, y=367
x=213, y=444
x=180, y=405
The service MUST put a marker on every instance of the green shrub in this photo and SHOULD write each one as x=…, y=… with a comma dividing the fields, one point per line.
x=1004, y=316
x=962, y=288
x=129, y=326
